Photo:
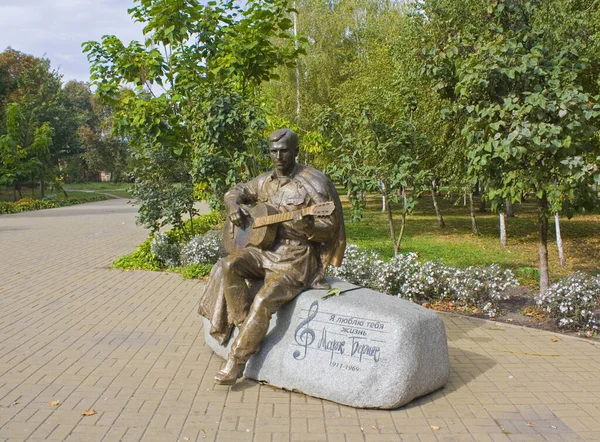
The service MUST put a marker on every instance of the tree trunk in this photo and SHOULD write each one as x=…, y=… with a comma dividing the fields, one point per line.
x=502, y=217
x=390, y=218
x=298, y=108
x=559, y=243
x=402, y=222
x=41, y=188
x=401, y=234
x=465, y=198
x=543, y=249
x=440, y=218
x=472, y=210
x=482, y=206
x=510, y=211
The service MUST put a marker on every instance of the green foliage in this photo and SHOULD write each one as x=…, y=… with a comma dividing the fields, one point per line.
x=196, y=226
x=28, y=204
x=141, y=259
x=529, y=124
x=373, y=155
x=529, y=275
x=202, y=133
x=195, y=271
x=36, y=125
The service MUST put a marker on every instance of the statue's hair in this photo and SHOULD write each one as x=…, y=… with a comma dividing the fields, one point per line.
x=286, y=135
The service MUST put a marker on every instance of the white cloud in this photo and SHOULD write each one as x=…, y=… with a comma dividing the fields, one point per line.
x=56, y=28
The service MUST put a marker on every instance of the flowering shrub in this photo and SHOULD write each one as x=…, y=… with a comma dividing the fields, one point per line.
x=574, y=302
x=358, y=267
x=407, y=278
x=203, y=249
x=482, y=287
x=165, y=250
x=27, y=204
x=404, y=276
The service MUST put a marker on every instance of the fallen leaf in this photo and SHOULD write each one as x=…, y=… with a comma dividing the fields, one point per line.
x=529, y=424
x=88, y=412
x=362, y=429
x=426, y=304
x=553, y=426
x=509, y=320
x=434, y=427
x=333, y=291
x=554, y=340
x=54, y=403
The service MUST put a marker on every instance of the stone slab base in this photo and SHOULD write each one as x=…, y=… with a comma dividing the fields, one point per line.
x=362, y=348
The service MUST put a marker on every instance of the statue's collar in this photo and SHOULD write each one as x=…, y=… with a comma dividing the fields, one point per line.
x=295, y=171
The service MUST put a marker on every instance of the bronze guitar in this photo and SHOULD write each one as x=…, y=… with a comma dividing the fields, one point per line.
x=260, y=225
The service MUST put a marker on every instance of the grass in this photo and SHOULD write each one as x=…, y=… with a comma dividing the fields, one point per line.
x=455, y=244
x=73, y=190
x=118, y=189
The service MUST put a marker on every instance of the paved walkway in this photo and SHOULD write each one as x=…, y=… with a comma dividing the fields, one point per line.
x=129, y=345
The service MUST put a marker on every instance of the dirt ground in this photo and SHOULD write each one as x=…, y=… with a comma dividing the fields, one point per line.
x=520, y=309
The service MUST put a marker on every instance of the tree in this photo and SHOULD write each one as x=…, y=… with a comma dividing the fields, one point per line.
x=529, y=123
x=198, y=136
x=373, y=156
x=31, y=84
x=22, y=156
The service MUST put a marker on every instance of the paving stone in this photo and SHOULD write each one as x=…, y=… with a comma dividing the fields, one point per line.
x=71, y=327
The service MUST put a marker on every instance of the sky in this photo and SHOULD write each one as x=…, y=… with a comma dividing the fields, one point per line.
x=55, y=29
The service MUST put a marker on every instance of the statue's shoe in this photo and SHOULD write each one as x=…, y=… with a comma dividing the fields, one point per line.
x=230, y=374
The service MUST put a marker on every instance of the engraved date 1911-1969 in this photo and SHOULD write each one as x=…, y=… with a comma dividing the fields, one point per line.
x=344, y=366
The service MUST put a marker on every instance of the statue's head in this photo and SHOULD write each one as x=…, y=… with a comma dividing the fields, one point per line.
x=283, y=148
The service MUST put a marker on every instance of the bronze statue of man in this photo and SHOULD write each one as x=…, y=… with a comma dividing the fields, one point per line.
x=296, y=260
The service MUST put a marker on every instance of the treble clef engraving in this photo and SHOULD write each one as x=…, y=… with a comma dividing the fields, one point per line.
x=305, y=335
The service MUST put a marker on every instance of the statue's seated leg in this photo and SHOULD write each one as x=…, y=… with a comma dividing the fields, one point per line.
x=278, y=290
x=236, y=269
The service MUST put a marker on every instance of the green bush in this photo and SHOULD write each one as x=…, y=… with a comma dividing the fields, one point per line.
x=141, y=259
x=28, y=204
x=196, y=271
x=144, y=259
x=195, y=226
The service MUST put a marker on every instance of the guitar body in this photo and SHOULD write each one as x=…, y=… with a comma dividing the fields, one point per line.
x=260, y=225
x=237, y=238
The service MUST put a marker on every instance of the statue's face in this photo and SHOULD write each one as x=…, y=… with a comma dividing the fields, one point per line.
x=283, y=156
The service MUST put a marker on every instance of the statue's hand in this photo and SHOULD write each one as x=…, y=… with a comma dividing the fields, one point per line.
x=237, y=216
x=303, y=222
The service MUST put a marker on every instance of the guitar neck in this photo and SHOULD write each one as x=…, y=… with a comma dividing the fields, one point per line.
x=279, y=218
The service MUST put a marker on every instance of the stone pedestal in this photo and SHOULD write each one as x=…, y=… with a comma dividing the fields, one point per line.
x=363, y=348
